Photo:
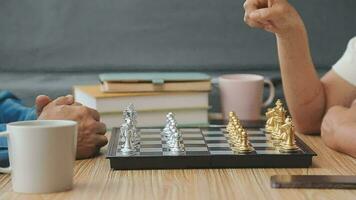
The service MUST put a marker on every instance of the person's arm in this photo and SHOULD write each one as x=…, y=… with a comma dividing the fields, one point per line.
x=338, y=129
x=3, y=140
x=12, y=110
x=308, y=98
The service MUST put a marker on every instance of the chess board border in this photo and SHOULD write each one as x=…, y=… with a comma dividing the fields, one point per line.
x=302, y=160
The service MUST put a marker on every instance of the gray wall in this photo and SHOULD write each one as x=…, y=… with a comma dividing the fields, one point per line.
x=98, y=35
x=46, y=46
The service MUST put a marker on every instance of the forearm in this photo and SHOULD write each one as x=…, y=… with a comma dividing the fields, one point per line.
x=302, y=88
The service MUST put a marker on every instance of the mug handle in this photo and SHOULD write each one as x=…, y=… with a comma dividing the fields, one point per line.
x=6, y=170
x=272, y=92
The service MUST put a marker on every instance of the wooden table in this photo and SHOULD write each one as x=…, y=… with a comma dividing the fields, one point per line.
x=95, y=180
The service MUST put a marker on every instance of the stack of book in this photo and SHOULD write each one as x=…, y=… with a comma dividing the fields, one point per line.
x=153, y=95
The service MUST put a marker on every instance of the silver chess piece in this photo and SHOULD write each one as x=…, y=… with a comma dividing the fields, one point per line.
x=133, y=117
x=128, y=131
x=127, y=138
x=170, y=120
x=175, y=141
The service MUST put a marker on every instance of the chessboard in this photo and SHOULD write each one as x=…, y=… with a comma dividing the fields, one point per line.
x=208, y=147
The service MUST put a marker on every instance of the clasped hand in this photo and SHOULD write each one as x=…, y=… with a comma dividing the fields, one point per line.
x=91, y=132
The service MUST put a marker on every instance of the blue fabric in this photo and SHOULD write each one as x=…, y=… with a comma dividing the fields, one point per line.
x=11, y=110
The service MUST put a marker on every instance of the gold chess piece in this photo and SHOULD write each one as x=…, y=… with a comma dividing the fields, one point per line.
x=229, y=126
x=289, y=144
x=245, y=146
x=279, y=116
x=233, y=129
x=236, y=141
x=234, y=136
x=270, y=121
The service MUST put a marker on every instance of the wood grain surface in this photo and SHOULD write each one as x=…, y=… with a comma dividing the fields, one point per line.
x=95, y=180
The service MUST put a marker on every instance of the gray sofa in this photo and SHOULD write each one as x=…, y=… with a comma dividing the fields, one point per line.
x=48, y=46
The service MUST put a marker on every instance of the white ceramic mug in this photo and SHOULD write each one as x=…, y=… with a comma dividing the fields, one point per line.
x=42, y=155
x=243, y=93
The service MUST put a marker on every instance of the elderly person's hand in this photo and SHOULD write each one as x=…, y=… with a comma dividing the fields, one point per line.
x=90, y=130
x=276, y=16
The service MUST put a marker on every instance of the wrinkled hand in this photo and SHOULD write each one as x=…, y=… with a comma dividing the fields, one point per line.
x=276, y=16
x=90, y=130
x=43, y=100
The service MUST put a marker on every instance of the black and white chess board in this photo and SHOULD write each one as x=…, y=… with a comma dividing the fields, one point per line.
x=204, y=148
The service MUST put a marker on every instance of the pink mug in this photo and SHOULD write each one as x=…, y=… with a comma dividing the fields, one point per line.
x=242, y=93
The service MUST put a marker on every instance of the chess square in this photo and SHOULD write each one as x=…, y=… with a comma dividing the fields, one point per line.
x=151, y=146
x=219, y=149
x=201, y=138
x=150, y=149
x=170, y=153
x=258, y=141
x=197, y=153
x=194, y=142
x=192, y=135
x=218, y=145
x=144, y=142
x=216, y=141
x=215, y=138
x=190, y=130
x=262, y=145
x=150, y=130
x=195, y=145
x=211, y=132
x=257, y=138
x=254, y=132
x=265, y=148
x=196, y=148
x=151, y=139
x=216, y=135
x=156, y=136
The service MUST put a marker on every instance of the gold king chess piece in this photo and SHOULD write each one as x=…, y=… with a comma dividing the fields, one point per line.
x=287, y=130
x=273, y=114
x=278, y=118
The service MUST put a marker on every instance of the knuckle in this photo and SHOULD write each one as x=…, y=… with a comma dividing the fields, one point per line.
x=91, y=127
x=245, y=5
x=105, y=141
x=282, y=9
x=104, y=127
x=246, y=18
x=62, y=107
x=83, y=110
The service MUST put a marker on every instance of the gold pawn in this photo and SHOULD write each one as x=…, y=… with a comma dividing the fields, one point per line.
x=245, y=146
x=233, y=132
x=232, y=116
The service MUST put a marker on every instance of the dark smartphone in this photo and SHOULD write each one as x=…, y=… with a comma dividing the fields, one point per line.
x=313, y=181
